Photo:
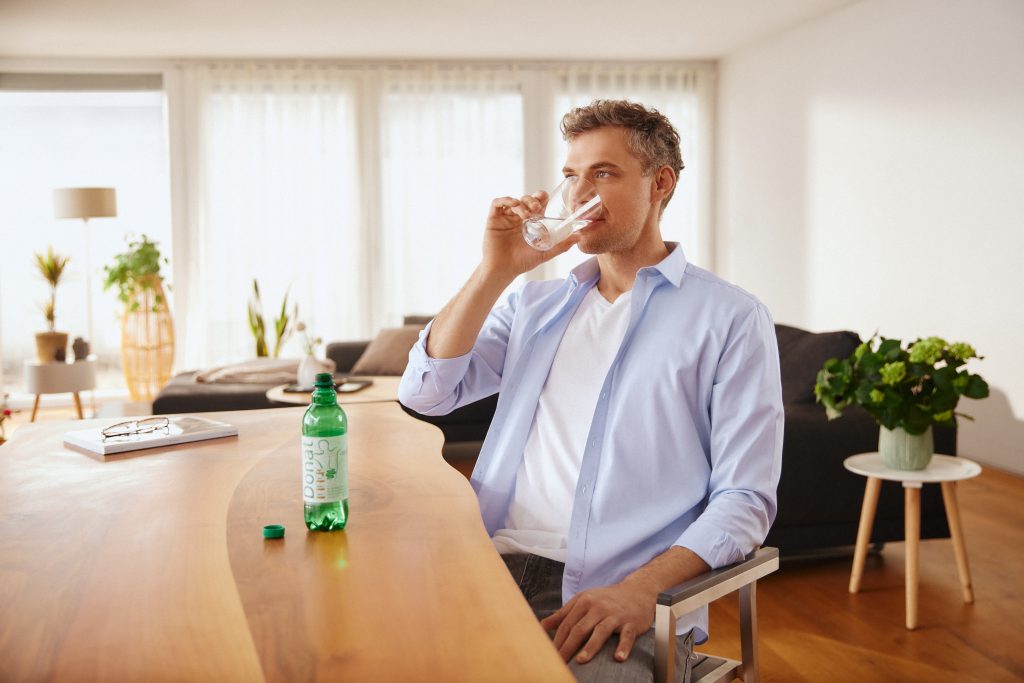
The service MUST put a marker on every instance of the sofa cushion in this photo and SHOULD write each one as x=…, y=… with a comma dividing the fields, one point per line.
x=803, y=353
x=388, y=353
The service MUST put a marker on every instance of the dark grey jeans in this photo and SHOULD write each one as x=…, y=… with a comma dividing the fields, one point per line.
x=540, y=580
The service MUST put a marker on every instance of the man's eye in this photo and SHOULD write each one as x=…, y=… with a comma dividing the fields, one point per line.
x=602, y=174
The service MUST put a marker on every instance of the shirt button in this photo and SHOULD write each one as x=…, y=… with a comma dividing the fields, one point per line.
x=604, y=395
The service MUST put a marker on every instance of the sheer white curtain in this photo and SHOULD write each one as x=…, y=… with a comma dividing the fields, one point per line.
x=451, y=142
x=275, y=197
x=682, y=93
x=365, y=187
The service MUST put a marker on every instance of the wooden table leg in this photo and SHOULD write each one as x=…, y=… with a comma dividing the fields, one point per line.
x=867, y=520
x=912, y=525
x=35, y=409
x=957, y=532
x=78, y=405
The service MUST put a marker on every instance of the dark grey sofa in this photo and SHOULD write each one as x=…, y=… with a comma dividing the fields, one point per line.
x=184, y=395
x=819, y=501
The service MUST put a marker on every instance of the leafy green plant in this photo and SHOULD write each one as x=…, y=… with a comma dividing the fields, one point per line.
x=51, y=266
x=283, y=324
x=911, y=388
x=134, y=270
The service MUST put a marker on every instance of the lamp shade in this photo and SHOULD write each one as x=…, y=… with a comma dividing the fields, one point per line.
x=84, y=202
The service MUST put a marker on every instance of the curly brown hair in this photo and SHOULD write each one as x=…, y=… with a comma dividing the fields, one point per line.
x=652, y=137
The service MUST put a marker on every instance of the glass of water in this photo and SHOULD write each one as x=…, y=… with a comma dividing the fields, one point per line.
x=571, y=206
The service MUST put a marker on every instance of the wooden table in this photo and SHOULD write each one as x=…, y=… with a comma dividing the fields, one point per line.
x=384, y=388
x=944, y=470
x=152, y=565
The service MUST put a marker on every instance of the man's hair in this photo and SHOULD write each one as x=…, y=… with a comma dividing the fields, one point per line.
x=652, y=137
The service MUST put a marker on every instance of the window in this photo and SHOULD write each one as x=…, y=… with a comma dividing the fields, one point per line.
x=54, y=139
x=359, y=189
x=382, y=175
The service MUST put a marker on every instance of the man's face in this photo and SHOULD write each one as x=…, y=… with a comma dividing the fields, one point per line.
x=602, y=156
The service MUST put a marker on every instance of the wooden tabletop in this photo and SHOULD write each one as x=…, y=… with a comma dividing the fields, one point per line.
x=384, y=388
x=152, y=566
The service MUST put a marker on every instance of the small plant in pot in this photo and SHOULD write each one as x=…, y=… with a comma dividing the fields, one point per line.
x=906, y=390
x=310, y=365
x=51, y=345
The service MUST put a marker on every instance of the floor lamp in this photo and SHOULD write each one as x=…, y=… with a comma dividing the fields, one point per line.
x=86, y=203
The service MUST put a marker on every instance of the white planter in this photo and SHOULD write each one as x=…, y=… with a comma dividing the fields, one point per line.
x=310, y=366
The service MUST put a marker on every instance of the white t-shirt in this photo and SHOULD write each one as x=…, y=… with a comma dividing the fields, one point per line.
x=538, y=518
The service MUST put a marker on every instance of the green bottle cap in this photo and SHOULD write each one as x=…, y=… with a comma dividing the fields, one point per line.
x=273, y=531
x=324, y=380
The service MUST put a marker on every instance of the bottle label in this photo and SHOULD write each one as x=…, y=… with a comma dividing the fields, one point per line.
x=324, y=469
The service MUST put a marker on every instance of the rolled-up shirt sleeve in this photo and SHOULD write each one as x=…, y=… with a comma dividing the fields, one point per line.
x=745, y=446
x=437, y=386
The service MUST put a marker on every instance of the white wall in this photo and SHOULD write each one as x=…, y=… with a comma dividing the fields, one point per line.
x=871, y=176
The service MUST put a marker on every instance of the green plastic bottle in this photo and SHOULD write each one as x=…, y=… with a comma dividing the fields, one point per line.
x=325, y=459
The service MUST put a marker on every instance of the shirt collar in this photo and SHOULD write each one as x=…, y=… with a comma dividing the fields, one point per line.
x=671, y=267
x=585, y=273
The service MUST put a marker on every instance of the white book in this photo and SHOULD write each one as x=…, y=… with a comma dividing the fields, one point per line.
x=181, y=429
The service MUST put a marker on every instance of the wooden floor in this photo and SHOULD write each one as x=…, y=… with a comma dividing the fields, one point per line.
x=812, y=629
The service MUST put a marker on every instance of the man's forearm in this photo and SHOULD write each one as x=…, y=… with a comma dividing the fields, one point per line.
x=457, y=326
x=672, y=567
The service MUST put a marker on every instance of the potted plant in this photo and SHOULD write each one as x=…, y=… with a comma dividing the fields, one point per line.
x=147, y=329
x=906, y=390
x=51, y=345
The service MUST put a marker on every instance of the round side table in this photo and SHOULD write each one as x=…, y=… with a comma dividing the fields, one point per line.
x=944, y=470
x=384, y=388
x=59, y=378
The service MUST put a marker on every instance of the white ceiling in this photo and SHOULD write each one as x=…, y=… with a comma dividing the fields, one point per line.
x=396, y=29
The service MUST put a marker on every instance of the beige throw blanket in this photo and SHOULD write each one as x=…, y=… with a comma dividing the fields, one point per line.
x=256, y=371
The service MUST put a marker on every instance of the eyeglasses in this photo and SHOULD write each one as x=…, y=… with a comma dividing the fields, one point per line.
x=133, y=427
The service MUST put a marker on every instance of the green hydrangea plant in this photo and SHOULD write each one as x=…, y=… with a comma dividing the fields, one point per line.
x=911, y=387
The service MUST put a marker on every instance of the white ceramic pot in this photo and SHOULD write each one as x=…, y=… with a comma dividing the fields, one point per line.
x=310, y=366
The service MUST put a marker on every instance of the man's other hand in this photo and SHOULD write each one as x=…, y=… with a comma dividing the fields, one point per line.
x=591, y=617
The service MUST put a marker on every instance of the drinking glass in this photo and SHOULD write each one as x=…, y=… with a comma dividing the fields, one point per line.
x=571, y=206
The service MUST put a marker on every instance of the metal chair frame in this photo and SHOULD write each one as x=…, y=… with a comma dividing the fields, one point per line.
x=700, y=591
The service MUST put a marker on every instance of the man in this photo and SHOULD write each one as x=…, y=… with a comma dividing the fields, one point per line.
x=638, y=433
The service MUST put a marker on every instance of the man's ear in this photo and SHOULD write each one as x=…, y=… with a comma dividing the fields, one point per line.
x=664, y=182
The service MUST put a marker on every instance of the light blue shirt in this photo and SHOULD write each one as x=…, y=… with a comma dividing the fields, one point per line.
x=685, y=447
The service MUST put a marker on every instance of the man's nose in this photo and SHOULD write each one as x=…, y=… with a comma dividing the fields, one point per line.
x=582, y=192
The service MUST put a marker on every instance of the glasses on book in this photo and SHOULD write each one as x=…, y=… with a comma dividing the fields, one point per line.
x=134, y=427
